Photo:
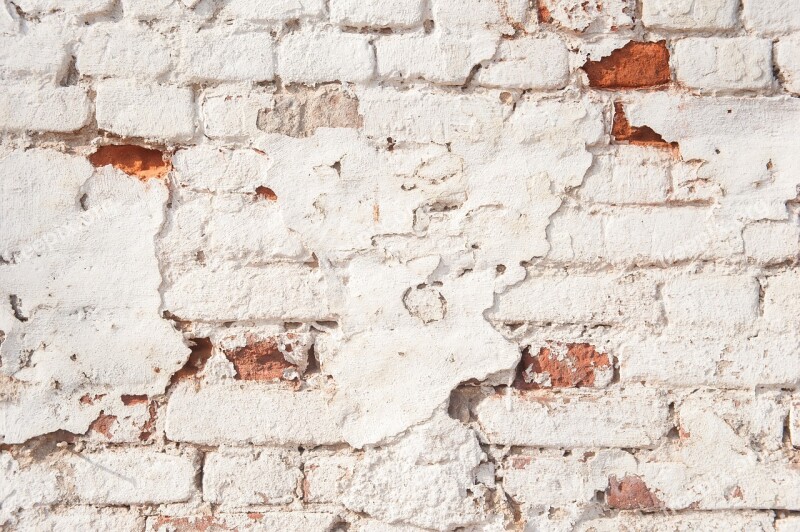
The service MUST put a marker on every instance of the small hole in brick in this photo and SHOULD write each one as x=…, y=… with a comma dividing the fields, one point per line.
x=266, y=193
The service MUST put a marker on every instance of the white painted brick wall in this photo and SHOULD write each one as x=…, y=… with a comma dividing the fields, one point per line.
x=400, y=265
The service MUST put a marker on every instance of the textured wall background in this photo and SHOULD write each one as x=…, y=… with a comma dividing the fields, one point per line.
x=399, y=265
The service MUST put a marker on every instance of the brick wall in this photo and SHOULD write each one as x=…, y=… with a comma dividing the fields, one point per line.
x=399, y=265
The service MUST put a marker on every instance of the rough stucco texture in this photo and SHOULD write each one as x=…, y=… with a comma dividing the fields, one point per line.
x=399, y=265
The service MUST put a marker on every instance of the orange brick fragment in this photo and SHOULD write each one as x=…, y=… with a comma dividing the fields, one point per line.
x=258, y=361
x=559, y=366
x=631, y=493
x=143, y=163
x=635, y=65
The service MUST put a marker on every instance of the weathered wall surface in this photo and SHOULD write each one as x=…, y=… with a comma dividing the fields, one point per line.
x=399, y=265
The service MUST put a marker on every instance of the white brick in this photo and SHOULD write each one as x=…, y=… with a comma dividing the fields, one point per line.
x=794, y=423
x=706, y=521
x=441, y=57
x=772, y=241
x=635, y=417
x=425, y=117
x=238, y=413
x=739, y=63
x=156, y=112
x=220, y=170
x=528, y=63
x=591, y=16
x=41, y=52
x=629, y=175
x=43, y=108
x=690, y=14
x=788, y=61
x=377, y=13
x=81, y=518
x=782, y=301
x=316, y=56
x=326, y=477
x=23, y=488
x=273, y=11
x=132, y=476
x=711, y=301
x=241, y=477
x=568, y=125
x=221, y=55
x=233, y=115
x=774, y=17
x=579, y=299
x=124, y=50
x=677, y=359
x=224, y=293
x=474, y=15
x=657, y=235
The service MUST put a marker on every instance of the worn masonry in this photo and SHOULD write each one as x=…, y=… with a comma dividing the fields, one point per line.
x=399, y=265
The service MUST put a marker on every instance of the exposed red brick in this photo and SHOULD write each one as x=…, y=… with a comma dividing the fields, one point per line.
x=102, y=425
x=201, y=352
x=635, y=65
x=622, y=131
x=575, y=369
x=266, y=193
x=258, y=361
x=143, y=163
x=130, y=400
x=631, y=493
x=544, y=12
